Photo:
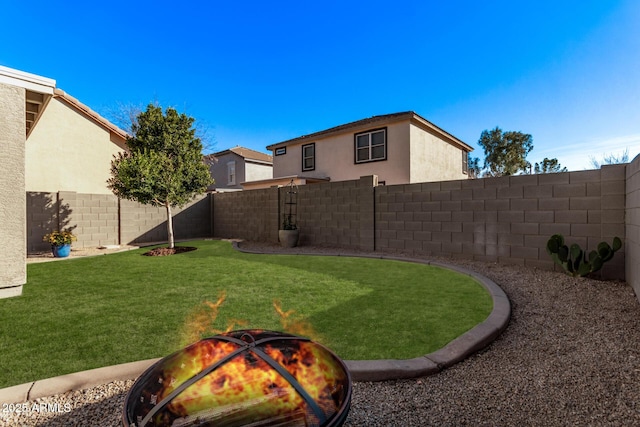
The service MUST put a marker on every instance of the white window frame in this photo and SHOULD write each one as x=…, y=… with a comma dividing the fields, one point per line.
x=369, y=147
x=231, y=173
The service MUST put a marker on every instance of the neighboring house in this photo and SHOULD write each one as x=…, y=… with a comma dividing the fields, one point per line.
x=399, y=148
x=70, y=147
x=233, y=167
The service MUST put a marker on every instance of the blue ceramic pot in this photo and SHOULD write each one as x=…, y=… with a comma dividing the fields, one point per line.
x=61, y=251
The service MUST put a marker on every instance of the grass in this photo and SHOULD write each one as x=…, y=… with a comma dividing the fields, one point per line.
x=85, y=313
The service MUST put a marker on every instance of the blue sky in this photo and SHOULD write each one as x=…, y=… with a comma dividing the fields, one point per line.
x=258, y=73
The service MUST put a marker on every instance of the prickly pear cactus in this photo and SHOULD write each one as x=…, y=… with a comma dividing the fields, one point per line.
x=575, y=261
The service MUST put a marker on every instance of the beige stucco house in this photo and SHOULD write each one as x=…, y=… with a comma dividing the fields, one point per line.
x=23, y=97
x=231, y=168
x=71, y=148
x=399, y=148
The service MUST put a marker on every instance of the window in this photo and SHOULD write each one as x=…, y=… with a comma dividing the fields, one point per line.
x=309, y=157
x=465, y=162
x=231, y=173
x=371, y=146
x=281, y=151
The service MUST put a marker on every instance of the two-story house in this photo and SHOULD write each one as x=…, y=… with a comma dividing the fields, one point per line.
x=231, y=168
x=399, y=148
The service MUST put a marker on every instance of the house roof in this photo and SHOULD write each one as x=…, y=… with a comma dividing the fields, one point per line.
x=60, y=94
x=376, y=121
x=38, y=92
x=247, y=154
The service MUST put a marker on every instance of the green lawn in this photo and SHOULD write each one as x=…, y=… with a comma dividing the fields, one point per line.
x=85, y=313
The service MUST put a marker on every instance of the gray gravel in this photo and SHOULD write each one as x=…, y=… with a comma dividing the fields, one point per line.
x=570, y=357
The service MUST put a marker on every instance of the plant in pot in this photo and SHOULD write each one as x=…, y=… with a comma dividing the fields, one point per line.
x=289, y=233
x=60, y=242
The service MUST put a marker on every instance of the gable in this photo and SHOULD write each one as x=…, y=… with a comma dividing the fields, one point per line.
x=68, y=151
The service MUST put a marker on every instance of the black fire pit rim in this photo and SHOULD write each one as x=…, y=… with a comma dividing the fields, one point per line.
x=336, y=419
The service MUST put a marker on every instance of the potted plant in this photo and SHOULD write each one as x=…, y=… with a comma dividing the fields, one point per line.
x=289, y=233
x=60, y=242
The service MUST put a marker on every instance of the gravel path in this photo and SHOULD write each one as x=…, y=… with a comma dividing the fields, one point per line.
x=570, y=356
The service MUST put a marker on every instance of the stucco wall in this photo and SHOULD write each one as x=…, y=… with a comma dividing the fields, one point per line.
x=335, y=157
x=66, y=151
x=218, y=171
x=257, y=171
x=13, y=273
x=433, y=159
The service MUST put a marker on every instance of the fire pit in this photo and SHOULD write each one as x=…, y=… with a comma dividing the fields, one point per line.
x=247, y=377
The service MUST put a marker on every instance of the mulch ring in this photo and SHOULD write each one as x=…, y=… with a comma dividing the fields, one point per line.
x=169, y=251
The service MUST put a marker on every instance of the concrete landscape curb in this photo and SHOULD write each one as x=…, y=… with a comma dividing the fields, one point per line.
x=457, y=350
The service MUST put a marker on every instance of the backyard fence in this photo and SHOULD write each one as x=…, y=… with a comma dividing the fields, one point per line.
x=506, y=219
x=103, y=219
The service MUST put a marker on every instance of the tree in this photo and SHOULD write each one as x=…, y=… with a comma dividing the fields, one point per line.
x=164, y=165
x=473, y=166
x=125, y=116
x=611, y=159
x=505, y=152
x=549, y=166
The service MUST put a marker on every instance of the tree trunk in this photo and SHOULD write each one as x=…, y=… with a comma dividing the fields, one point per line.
x=169, y=225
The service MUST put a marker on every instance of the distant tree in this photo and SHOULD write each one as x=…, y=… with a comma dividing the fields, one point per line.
x=505, y=152
x=473, y=166
x=125, y=116
x=549, y=166
x=610, y=159
x=164, y=165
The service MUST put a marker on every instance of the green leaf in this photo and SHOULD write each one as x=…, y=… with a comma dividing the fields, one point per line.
x=617, y=243
x=597, y=264
x=563, y=253
x=585, y=268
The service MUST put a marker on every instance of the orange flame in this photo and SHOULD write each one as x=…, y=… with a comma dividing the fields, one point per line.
x=294, y=325
x=200, y=321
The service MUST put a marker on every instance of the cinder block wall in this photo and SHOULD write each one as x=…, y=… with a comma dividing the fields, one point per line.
x=632, y=221
x=101, y=219
x=332, y=213
x=143, y=224
x=338, y=214
x=507, y=219
x=93, y=218
x=251, y=215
